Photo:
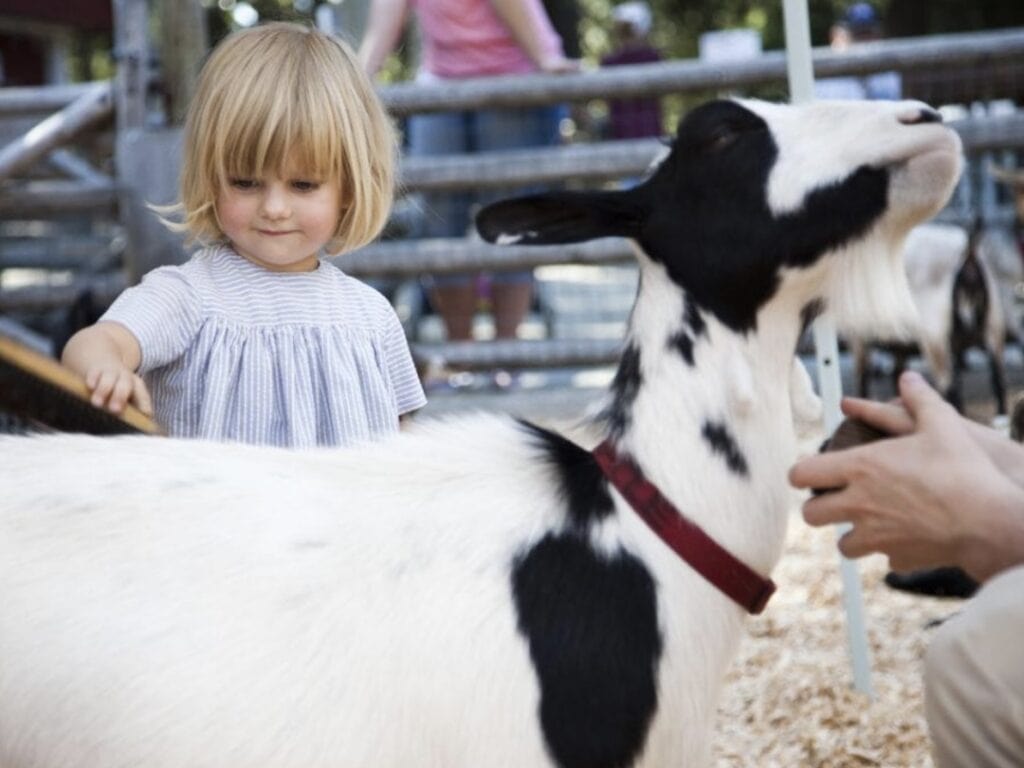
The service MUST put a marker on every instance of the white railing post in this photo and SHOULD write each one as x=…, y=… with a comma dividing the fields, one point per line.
x=801, y=88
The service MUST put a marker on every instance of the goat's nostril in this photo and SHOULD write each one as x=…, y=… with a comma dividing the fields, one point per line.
x=918, y=116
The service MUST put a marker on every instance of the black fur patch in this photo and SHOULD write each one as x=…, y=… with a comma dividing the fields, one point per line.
x=693, y=318
x=721, y=441
x=693, y=327
x=583, y=485
x=624, y=389
x=710, y=224
x=592, y=627
x=683, y=344
x=811, y=312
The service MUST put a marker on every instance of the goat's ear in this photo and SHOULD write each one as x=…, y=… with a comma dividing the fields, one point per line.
x=563, y=217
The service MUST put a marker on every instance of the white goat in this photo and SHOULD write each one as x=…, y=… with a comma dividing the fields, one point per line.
x=473, y=593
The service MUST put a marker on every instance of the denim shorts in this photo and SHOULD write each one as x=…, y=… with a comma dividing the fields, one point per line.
x=486, y=130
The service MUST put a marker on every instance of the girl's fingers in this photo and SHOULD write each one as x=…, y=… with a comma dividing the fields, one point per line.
x=141, y=396
x=113, y=389
x=102, y=390
x=119, y=396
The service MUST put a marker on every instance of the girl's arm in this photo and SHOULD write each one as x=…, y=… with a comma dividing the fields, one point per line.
x=524, y=27
x=387, y=17
x=106, y=355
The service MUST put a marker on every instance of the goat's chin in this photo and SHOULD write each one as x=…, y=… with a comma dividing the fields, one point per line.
x=868, y=293
x=922, y=185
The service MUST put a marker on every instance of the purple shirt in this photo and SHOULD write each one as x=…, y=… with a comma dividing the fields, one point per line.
x=633, y=118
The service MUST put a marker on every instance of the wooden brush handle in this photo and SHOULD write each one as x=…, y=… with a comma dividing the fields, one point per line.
x=49, y=370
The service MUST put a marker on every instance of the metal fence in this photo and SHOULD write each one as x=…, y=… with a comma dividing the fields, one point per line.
x=582, y=313
x=584, y=291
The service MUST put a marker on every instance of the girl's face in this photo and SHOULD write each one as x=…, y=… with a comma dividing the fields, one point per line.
x=280, y=224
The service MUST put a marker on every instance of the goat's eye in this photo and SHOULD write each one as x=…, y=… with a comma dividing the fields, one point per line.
x=721, y=139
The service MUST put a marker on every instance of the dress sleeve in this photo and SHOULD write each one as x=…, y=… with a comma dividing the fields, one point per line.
x=162, y=312
x=405, y=381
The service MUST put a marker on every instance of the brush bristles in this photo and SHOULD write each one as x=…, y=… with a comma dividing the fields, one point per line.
x=45, y=395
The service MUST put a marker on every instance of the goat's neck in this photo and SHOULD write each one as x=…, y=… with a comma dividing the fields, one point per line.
x=737, y=386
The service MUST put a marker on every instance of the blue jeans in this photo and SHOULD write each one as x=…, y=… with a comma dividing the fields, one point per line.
x=486, y=130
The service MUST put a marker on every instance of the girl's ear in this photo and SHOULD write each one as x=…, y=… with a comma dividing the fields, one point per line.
x=563, y=217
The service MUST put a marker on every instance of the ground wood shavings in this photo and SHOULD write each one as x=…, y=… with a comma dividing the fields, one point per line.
x=789, y=700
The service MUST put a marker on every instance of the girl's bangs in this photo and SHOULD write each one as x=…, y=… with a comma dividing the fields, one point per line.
x=296, y=145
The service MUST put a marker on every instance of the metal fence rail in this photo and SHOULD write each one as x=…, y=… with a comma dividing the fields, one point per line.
x=25, y=198
x=617, y=159
x=907, y=54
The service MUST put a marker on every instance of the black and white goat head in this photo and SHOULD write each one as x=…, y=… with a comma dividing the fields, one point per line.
x=759, y=216
x=475, y=592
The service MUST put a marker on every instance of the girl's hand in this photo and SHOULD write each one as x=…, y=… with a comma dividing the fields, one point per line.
x=114, y=386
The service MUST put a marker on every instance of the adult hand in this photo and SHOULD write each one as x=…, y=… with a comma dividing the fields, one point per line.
x=931, y=496
x=893, y=418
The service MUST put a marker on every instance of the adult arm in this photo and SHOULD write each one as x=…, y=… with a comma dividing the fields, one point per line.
x=387, y=17
x=107, y=355
x=527, y=30
x=929, y=497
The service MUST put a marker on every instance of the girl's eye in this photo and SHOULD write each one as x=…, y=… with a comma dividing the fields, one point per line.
x=243, y=184
x=305, y=186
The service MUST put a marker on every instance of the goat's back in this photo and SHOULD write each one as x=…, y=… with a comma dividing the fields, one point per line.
x=213, y=605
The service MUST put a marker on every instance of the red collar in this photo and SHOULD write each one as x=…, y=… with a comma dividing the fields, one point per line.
x=731, y=576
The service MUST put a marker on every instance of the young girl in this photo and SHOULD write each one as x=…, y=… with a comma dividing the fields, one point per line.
x=288, y=153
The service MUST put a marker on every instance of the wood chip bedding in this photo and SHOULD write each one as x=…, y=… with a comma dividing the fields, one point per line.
x=789, y=700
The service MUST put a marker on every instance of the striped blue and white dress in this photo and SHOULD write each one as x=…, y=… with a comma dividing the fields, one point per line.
x=232, y=351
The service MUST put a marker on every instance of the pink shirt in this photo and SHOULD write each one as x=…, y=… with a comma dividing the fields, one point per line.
x=467, y=38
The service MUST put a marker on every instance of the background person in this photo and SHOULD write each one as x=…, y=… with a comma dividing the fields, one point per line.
x=633, y=118
x=859, y=24
x=464, y=39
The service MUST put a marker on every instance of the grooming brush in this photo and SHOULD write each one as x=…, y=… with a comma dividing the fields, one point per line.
x=849, y=434
x=40, y=390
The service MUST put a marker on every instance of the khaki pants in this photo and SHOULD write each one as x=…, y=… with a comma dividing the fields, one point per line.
x=974, y=679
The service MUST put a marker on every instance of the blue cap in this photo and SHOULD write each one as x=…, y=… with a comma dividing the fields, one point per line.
x=860, y=16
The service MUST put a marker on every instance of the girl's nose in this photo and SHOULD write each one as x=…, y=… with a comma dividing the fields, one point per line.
x=275, y=202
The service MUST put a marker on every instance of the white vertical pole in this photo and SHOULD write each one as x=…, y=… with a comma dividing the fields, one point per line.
x=800, y=69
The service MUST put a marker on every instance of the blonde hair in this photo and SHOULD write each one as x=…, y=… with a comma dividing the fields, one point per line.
x=282, y=93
